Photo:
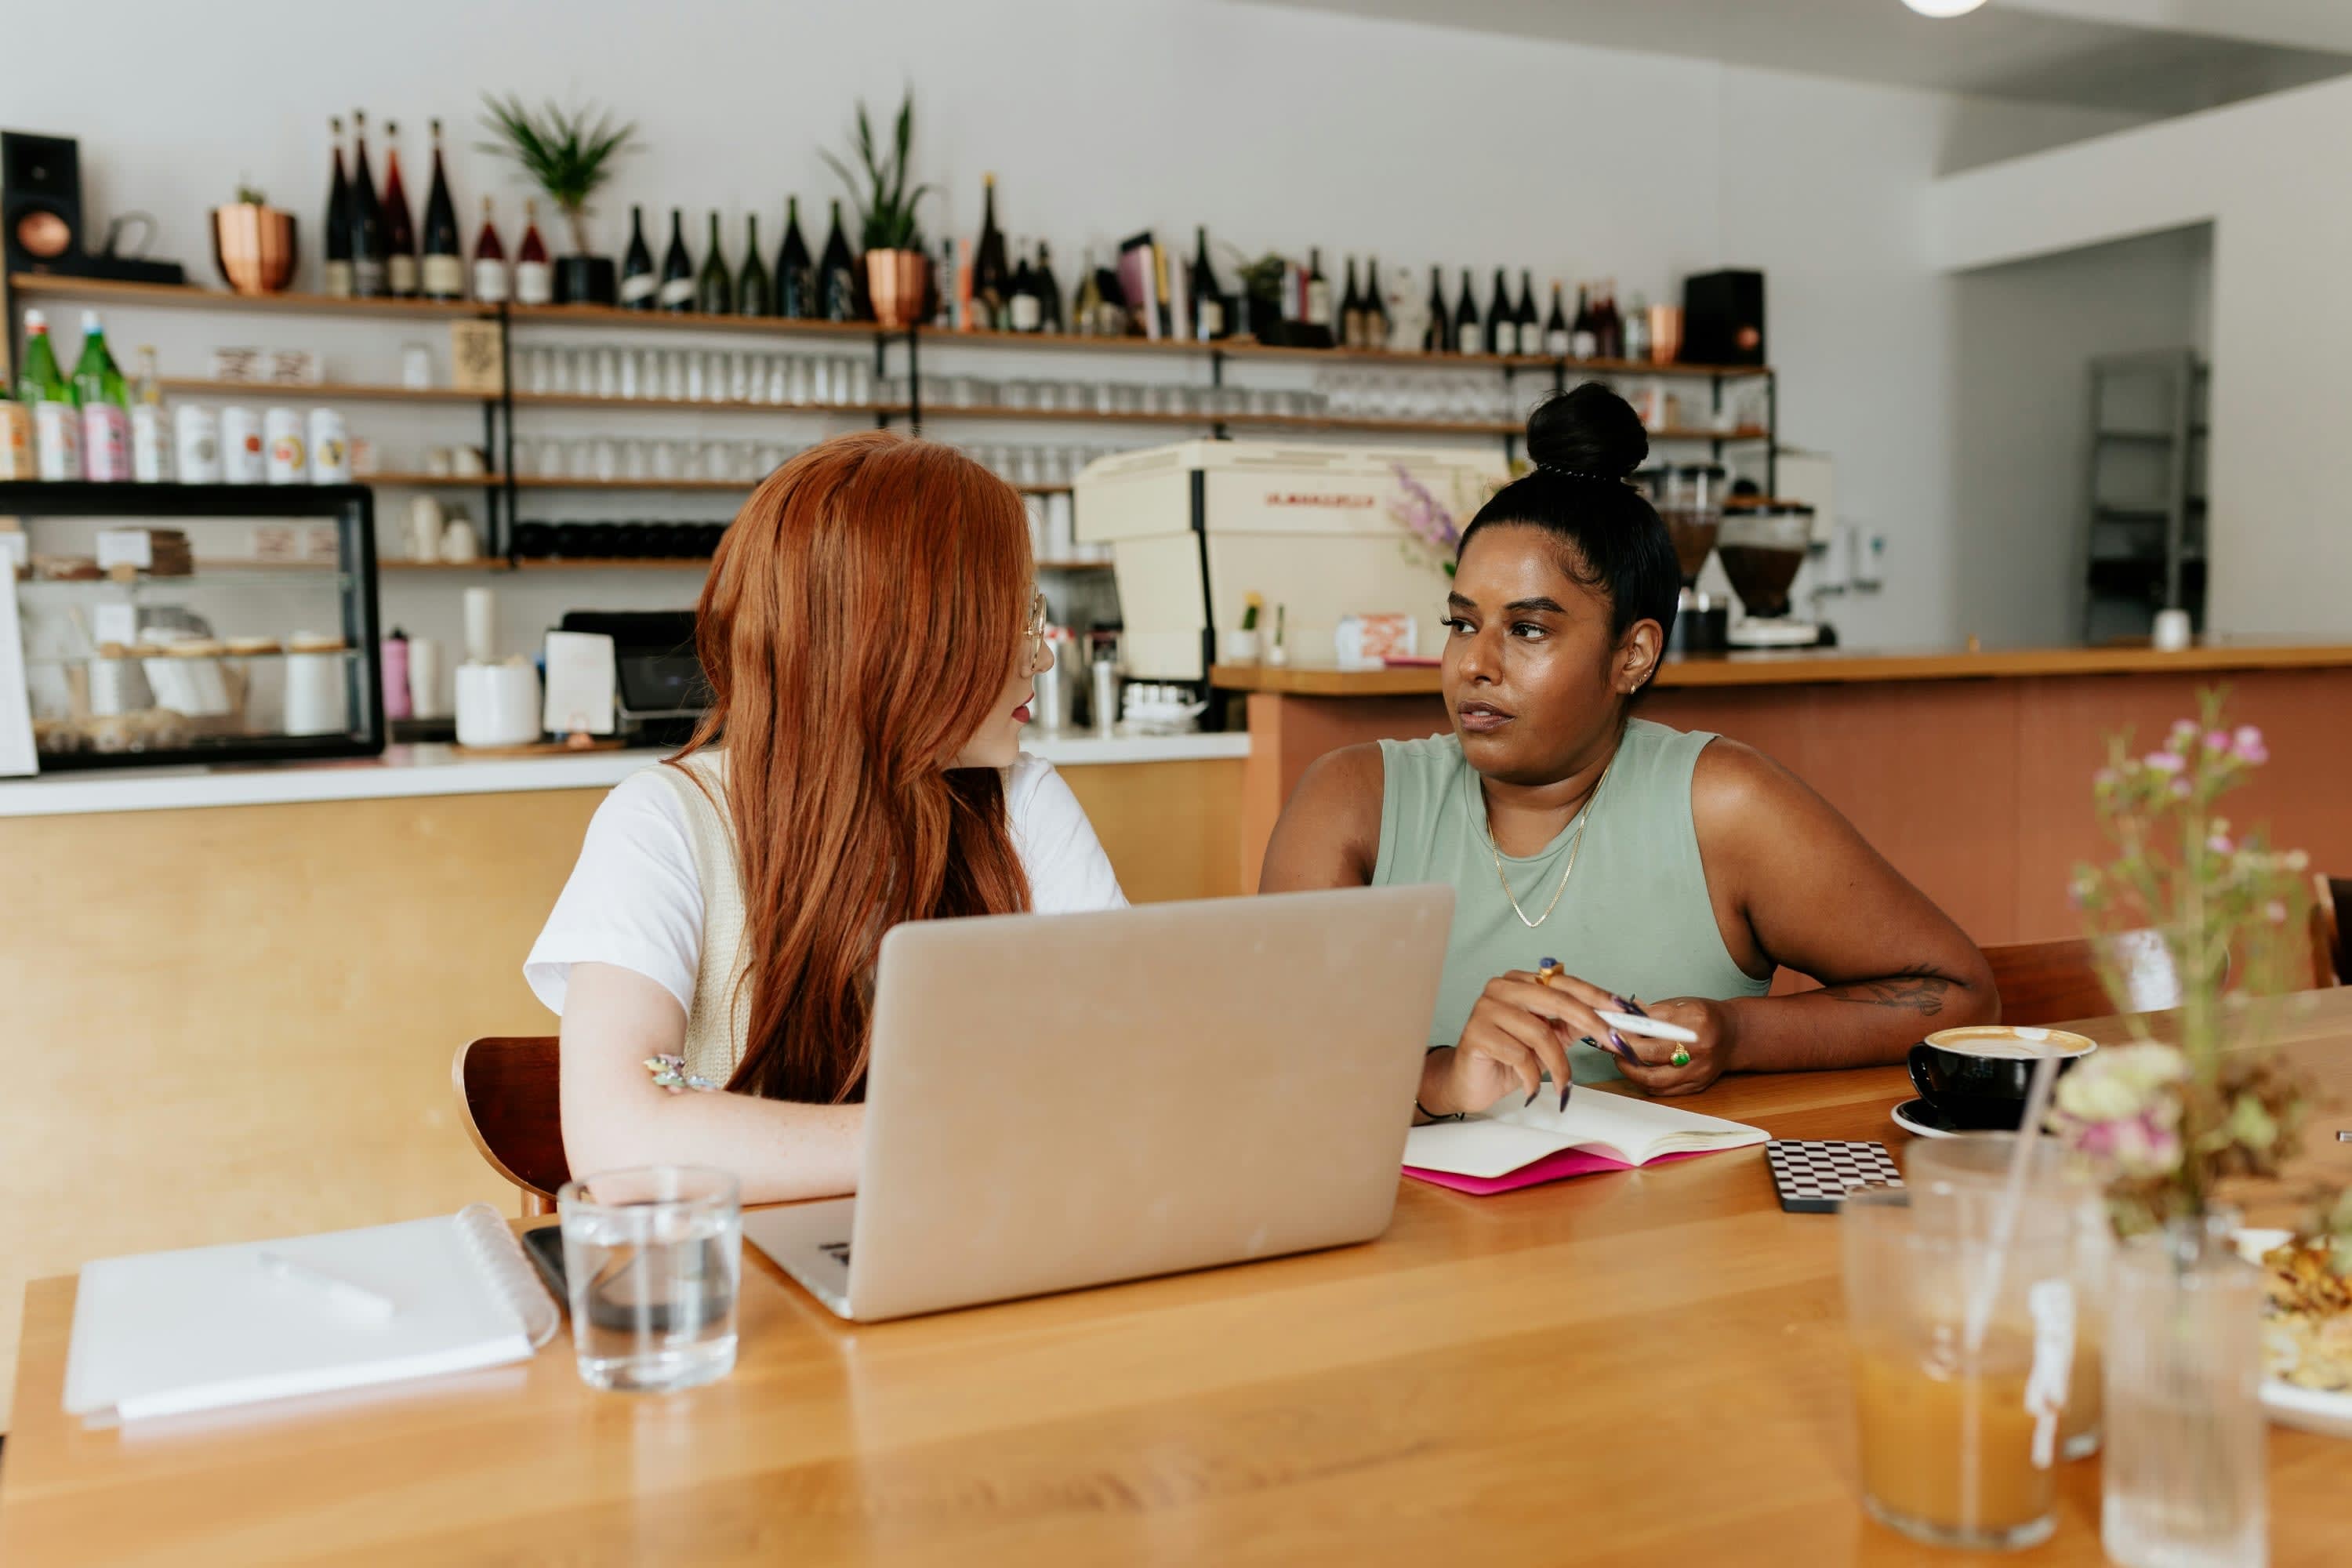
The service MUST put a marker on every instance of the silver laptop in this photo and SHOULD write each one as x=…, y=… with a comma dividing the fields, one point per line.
x=1063, y=1100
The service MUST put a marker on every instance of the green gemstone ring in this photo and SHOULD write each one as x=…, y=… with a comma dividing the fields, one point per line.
x=1681, y=1058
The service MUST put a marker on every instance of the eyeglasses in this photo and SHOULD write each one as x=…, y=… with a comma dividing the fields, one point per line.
x=1040, y=616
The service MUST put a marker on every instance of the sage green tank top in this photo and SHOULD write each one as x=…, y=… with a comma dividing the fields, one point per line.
x=1634, y=918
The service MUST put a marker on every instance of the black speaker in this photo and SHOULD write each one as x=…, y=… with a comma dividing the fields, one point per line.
x=40, y=199
x=1723, y=318
x=41, y=218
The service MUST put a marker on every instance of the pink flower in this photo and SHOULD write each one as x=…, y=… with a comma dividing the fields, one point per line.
x=2164, y=761
x=2181, y=788
x=2219, y=843
x=2183, y=732
x=2106, y=778
x=2247, y=746
x=2216, y=740
x=2276, y=912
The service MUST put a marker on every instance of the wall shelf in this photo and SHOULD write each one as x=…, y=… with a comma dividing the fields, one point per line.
x=321, y=392
x=862, y=332
x=193, y=297
x=698, y=405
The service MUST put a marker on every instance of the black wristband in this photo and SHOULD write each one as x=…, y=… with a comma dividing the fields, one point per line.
x=1417, y=1105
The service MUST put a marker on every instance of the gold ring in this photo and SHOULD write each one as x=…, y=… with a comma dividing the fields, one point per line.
x=1681, y=1058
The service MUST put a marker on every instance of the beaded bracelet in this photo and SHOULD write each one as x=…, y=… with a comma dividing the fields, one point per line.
x=671, y=1073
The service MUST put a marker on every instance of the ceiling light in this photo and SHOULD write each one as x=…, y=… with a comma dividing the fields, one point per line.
x=1943, y=7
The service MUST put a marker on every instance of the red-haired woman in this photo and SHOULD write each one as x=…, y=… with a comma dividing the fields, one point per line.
x=871, y=629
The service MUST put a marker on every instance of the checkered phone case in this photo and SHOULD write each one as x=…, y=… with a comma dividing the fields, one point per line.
x=1813, y=1175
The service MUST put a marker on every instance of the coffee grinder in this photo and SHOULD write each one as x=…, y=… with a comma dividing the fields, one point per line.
x=1762, y=546
x=1689, y=498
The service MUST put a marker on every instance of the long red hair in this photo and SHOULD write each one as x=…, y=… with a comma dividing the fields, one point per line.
x=858, y=624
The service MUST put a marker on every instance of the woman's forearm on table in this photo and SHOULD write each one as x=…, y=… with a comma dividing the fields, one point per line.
x=1864, y=1022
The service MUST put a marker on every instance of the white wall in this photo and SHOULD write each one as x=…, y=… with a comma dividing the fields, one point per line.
x=1279, y=128
x=2265, y=174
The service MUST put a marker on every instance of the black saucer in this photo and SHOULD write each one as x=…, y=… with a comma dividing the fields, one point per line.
x=1919, y=1117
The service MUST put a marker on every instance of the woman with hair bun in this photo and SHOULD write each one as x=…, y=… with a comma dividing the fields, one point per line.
x=871, y=631
x=1600, y=861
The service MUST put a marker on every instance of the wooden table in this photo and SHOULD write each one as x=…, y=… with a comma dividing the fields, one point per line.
x=1637, y=1368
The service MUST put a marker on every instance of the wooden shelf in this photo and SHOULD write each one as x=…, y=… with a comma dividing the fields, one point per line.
x=1074, y=566
x=1252, y=421
x=486, y=563
x=694, y=321
x=1248, y=347
x=560, y=483
x=697, y=406
x=429, y=482
x=307, y=392
x=189, y=297
x=632, y=564
x=1043, y=489
x=1690, y=433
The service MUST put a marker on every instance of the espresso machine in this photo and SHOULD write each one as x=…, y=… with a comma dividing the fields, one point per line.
x=1689, y=498
x=1762, y=546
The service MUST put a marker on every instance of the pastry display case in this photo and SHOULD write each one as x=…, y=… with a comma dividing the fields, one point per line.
x=177, y=624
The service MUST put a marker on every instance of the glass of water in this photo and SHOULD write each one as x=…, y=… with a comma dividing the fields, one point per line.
x=653, y=1257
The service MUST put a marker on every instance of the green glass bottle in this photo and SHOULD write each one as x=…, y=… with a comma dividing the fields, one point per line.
x=714, y=292
x=105, y=399
x=752, y=295
x=38, y=380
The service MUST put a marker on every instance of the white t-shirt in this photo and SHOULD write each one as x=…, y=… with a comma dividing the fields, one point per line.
x=633, y=899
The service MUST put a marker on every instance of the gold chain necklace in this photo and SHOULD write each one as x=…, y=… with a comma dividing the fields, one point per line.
x=1575, y=846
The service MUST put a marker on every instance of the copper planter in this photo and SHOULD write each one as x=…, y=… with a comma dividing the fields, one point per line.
x=254, y=247
x=896, y=282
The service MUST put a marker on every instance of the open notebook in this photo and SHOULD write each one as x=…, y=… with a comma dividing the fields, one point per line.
x=1514, y=1145
x=163, y=1333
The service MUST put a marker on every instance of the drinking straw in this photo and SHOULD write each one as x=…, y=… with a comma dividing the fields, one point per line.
x=2012, y=1202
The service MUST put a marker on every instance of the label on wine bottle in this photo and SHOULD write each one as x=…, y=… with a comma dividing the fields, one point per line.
x=1583, y=345
x=1023, y=314
x=489, y=281
x=1318, y=300
x=535, y=283
x=368, y=279
x=678, y=294
x=57, y=440
x=105, y=443
x=401, y=271
x=338, y=280
x=444, y=277
x=1556, y=343
x=17, y=460
x=1506, y=337
x=1210, y=318
x=638, y=288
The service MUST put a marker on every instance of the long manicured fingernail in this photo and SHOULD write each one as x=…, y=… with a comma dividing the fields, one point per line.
x=1628, y=1005
x=1531, y=1095
x=1563, y=1093
x=1623, y=1049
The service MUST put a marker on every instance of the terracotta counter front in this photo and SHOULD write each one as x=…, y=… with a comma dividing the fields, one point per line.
x=1971, y=772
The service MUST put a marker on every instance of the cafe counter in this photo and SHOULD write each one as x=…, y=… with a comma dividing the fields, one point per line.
x=1969, y=770
x=232, y=995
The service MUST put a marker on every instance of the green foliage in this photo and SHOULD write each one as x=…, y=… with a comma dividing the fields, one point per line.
x=886, y=207
x=252, y=196
x=568, y=153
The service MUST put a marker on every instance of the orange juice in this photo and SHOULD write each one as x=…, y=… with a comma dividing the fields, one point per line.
x=1938, y=1468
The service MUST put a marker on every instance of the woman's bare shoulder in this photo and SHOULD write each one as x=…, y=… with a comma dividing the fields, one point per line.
x=1329, y=835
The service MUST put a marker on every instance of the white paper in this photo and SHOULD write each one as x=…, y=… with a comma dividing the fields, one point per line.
x=1509, y=1133
x=579, y=675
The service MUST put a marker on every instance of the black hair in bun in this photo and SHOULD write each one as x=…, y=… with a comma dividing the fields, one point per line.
x=1583, y=443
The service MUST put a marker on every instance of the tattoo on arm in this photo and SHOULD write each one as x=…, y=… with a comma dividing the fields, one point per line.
x=1920, y=990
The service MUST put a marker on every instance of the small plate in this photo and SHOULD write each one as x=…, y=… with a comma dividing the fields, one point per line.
x=2308, y=1409
x=1922, y=1120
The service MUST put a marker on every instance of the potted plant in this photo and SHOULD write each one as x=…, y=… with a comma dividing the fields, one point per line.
x=897, y=270
x=254, y=243
x=568, y=155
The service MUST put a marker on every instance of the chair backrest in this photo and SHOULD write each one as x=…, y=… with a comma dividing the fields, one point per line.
x=507, y=1084
x=2331, y=929
x=2052, y=982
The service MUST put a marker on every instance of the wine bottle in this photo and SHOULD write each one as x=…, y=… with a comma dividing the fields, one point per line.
x=637, y=280
x=1437, y=332
x=1209, y=321
x=534, y=277
x=795, y=274
x=1531, y=324
x=39, y=379
x=1378, y=323
x=752, y=295
x=1609, y=327
x=150, y=432
x=1582, y=342
x=714, y=292
x=491, y=282
x=1086, y=308
x=992, y=280
x=1635, y=332
x=338, y=279
x=1317, y=307
x=399, y=233
x=442, y=274
x=836, y=276
x=1502, y=320
x=676, y=292
x=1023, y=313
x=1351, y=311
x=370, y=281
x=105, y=404
x=1049, y=292
x=1465, y=319
x=1555, y=337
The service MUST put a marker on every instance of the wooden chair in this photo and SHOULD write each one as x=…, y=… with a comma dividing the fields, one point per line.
x=507, y=1085
x=2331, y=929
x=2051, y=982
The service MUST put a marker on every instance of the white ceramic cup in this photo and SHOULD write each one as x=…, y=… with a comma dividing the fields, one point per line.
x=314, y=694
x=497, y=704
x=425, y=522
x=2172, y=632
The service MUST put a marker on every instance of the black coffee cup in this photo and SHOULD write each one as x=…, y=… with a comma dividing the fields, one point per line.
x=1978, y=1075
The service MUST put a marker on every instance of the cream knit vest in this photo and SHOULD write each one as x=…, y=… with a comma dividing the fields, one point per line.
x=719, y=1024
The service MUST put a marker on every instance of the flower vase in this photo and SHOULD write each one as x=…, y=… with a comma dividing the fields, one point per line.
x=2184, y=1473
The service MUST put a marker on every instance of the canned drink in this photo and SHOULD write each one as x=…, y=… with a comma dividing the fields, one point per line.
x=282, y=428
x=106, y=443
x=150, y=444
x=16, y=457
x=240, y=446
x=57, y=440
x=331, y=453
x=196, y=440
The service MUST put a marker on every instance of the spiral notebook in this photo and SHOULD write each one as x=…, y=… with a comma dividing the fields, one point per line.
x=163, y=1333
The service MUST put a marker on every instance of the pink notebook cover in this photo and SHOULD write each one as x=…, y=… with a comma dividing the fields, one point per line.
x=1557, y=1167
